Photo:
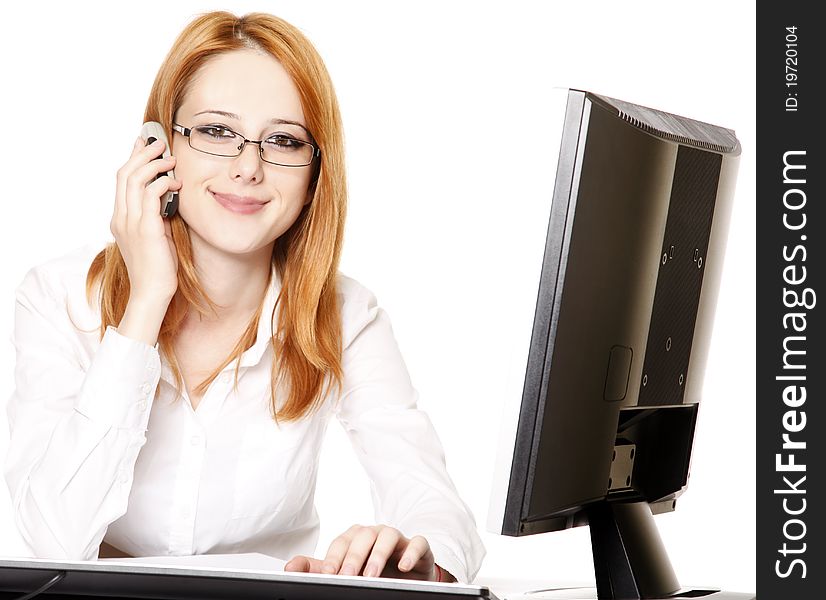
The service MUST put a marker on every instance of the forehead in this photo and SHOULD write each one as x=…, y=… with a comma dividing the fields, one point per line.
x=253, y=85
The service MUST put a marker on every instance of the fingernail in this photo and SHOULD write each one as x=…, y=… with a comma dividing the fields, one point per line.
x=405, y=564
x=370, y=572
x=348, y=570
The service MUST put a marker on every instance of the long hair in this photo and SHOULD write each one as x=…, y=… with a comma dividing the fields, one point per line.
x=307, y=338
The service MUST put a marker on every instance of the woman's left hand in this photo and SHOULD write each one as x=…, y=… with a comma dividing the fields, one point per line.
x=377, y=551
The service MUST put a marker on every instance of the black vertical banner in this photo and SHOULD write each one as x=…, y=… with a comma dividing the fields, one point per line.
x=791, y=299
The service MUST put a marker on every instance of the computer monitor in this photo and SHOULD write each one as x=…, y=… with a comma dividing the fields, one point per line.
x=616, y=321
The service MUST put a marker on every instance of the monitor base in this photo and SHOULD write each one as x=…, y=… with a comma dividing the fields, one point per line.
x=591, y=594
x=630, y=560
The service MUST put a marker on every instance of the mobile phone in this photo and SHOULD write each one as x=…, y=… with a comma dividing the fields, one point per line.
x=151, y=131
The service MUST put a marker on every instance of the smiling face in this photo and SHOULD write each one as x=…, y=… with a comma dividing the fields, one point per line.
x=240, y=205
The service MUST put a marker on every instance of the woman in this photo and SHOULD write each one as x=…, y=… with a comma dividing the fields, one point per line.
x=171, y=398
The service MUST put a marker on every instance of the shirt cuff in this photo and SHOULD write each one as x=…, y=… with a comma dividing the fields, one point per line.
x=447, y=560
x=120, y=384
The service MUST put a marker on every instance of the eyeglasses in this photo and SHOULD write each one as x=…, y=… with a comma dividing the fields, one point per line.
x=278, y=149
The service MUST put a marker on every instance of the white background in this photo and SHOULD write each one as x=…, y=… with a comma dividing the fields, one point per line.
x=443, y=112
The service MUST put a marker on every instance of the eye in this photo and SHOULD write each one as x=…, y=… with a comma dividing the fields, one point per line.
x=283, y=142
x=218, y=132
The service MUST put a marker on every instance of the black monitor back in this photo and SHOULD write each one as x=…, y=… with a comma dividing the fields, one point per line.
x=633, y=255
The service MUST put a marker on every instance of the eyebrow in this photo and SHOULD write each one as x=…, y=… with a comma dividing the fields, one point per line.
x=230, y=115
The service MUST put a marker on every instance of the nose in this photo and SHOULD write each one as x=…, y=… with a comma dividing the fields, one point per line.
x=248, y=165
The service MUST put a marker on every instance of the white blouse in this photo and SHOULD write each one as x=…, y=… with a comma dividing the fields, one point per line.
x=94, y=455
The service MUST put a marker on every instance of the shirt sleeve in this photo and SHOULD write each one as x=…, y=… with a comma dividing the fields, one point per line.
x=398, y=445
x=75, y=429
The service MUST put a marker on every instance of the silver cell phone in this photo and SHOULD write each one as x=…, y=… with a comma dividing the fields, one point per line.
x=151, y=131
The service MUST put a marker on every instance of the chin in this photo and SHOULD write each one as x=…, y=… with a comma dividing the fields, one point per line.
x=229, y=242
x=241, y=246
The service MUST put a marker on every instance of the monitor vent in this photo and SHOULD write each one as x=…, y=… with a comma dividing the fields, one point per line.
x=673, y=127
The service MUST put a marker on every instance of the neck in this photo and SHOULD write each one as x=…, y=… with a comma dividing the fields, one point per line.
x=236, y=283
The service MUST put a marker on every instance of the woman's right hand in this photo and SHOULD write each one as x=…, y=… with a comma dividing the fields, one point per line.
x=145, y=240
x=143, y=236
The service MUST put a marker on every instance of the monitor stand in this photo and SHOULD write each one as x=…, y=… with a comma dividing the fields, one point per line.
x=630, y=561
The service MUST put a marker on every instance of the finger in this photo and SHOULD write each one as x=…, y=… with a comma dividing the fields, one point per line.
x=119, y=210
x=386, y=543
x=139, y=143
x=153, y=150
x=416, y=550
x=151, y=221
x=145, y=172
x=136, y=184
x=298, y=564
x=337, y=551
x=167, y=230
x=303, y=564
x=358, y=551
x=141, y=154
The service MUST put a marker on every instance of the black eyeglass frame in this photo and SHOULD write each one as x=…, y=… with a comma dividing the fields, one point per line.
x=187, y=131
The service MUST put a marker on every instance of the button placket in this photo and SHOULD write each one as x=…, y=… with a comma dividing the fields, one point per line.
x=216, y=394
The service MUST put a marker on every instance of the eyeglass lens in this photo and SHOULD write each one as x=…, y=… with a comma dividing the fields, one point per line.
x=279, y=148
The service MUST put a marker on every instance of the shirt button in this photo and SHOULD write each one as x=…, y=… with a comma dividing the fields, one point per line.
x=146, y=388
x=226, y=377
x=124, y=477
x=185, y=513
x=142, y=405
x=195, y=440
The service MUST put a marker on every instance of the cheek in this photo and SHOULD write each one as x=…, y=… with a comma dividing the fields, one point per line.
x=296, y=186
x=188, y=196
x=193, y=175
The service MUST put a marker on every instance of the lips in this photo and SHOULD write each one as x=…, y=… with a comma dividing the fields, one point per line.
x=239, y=204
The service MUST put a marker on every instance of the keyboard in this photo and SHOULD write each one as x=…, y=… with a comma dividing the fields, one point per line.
x=20, y=576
